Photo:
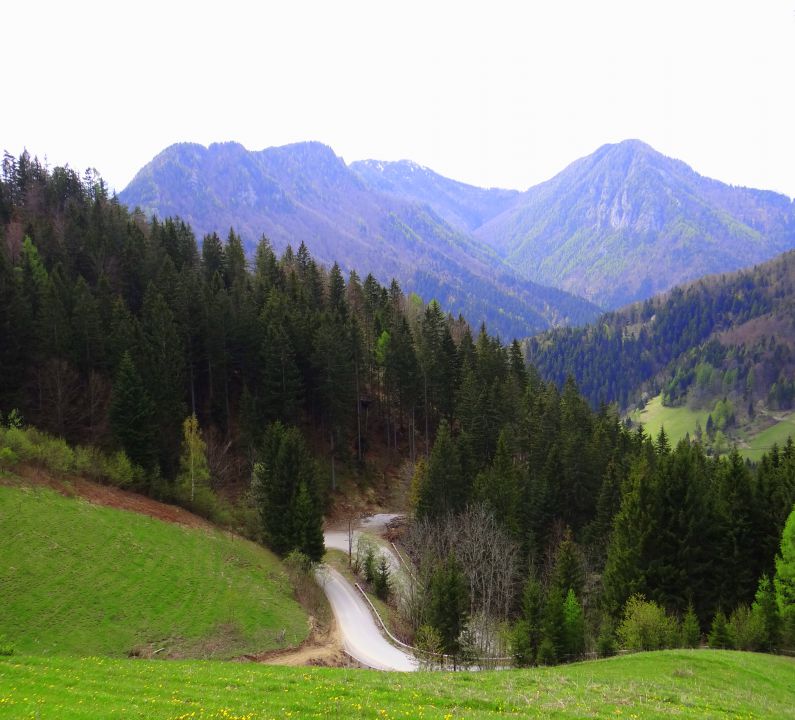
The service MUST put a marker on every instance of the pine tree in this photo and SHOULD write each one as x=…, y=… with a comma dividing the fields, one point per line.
x=498, y=486
x=691, y=630
x=765, y=611
x=527, y=633
x=442, y=490
x=785, y=580
x=449, y=605
x=719, y=636
x=573, y=627
x=553, y=632
x=132, y=416
x=287, y=493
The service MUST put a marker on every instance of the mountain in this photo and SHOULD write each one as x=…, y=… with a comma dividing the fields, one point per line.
x=725, y=336
x=464, y=207
x=626, y=223
x=305, y=193
x=619, y=225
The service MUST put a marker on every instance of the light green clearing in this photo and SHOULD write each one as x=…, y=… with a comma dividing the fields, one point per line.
x=677, y=421
x=81, y=579
x=669, y=684
x=775, y=434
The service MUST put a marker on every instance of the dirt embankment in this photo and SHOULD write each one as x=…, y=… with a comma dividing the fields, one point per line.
x=109, y=496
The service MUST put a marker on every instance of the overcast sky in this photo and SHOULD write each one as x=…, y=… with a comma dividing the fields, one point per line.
x=492, y=93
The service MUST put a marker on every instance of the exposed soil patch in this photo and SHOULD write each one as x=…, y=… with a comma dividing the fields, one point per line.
x=323, y=648
x=109, y=496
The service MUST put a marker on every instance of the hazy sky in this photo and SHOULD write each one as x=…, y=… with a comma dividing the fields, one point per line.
x=492, y=93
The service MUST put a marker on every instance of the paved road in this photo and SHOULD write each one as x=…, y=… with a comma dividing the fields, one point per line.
x=361, y=635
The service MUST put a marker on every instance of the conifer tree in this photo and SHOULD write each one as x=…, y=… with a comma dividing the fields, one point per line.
x=442, y=490
x=449, y=605
x=785, y=580
x=573, y=627
x=132, y=415
x=765, y=611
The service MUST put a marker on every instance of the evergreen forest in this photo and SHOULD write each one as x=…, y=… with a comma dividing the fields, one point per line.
x=130, y=335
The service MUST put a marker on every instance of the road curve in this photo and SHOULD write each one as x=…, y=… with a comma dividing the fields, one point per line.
x=360, y=635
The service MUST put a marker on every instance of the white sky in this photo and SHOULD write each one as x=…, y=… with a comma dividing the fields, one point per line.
x=493, y=93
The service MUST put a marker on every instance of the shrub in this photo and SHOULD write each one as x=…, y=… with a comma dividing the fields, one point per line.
x=606, y=642
x=6, y=648
x=745, y=629
x=546, y=653
x=646, y=626
x=8, y=457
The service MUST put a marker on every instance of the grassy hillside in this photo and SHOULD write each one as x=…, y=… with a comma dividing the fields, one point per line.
x=80, y=579
x=753, y=440
x=704, y=684
x=677, y=421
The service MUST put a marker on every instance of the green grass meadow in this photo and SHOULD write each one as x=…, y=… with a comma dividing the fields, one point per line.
x=775, y=434
x=668, y=684
x=81, y=579
x=678, y=421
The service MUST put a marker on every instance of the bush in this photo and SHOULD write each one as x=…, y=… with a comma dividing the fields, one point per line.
x=8, y=457
x=6, y=648
x=429, y=644
x=606, y=642
x=522, y=645
x=646, y=626
x=546, y=653
x=745, y=629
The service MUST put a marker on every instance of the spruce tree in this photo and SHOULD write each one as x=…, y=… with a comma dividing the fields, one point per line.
x=765, y=612
x=785, y=580
x=132, y=416
x=449, y=604
x=573, y=627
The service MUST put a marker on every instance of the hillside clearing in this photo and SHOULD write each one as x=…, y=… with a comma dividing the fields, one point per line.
x=81, y=579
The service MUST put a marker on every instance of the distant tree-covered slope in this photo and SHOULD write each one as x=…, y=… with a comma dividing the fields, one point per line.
x=305, y=193
x=722, y=335
x=626, y=223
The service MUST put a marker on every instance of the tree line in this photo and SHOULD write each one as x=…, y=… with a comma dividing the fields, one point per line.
x=119, y=328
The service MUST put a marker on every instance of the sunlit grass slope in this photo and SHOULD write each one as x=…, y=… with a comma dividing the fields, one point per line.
x=80, y=579
x=672, y=684
x=677, y=421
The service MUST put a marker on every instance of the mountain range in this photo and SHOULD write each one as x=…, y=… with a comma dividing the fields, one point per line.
x=305, y=193
x=617, y=226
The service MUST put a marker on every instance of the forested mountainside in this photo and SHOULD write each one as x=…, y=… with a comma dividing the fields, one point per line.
x=626, y=223
x=723, y=335
x=118, y=328
x=620, y=225
x=305, y=193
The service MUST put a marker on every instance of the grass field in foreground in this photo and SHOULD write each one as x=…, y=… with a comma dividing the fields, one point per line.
x=669, y=684
x=82, y=579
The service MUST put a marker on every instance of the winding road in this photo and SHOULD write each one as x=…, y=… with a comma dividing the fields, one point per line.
x=361, y=636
